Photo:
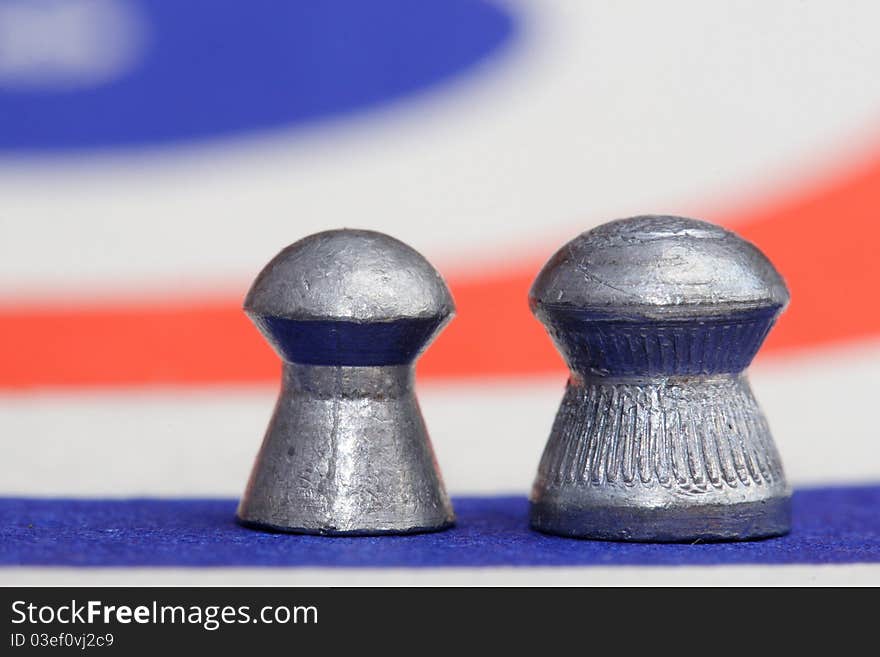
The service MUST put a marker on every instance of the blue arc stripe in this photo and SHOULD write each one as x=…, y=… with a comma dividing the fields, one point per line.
x=218, y=68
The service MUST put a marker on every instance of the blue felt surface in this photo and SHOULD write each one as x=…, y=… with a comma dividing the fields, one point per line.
x=831, y=525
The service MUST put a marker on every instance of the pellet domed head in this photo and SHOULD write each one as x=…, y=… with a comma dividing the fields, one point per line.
x=349, y=297
x=658, y=295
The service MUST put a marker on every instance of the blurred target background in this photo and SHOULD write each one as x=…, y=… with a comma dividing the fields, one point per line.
x=154, y=155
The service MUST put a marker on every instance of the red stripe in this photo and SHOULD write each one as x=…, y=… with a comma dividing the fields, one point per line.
x=824, y=241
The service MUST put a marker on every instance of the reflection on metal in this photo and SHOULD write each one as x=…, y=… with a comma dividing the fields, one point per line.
x=659, y=436
x=346, y=451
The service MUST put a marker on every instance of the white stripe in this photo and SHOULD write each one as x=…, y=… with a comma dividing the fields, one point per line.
x=746, y=575
x=488, y=435
x=602, y=110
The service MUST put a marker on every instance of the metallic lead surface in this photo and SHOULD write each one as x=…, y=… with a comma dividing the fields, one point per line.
x=346, y=451
x=658, y=437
